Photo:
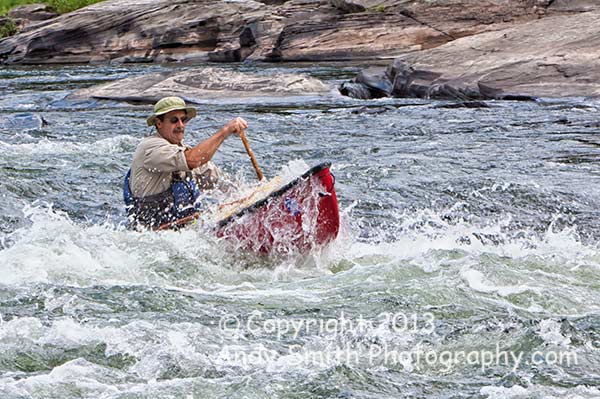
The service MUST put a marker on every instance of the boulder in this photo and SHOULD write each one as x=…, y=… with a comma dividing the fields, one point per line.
x=32, y=12
x=553, y=6
x=202, y=85
x=356, y=90
x=370, y=83
x=347, y=7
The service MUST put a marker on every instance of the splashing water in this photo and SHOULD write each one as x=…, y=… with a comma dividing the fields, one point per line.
x=463, y=231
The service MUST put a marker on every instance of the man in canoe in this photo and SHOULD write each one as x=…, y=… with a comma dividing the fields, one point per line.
x=166, y=176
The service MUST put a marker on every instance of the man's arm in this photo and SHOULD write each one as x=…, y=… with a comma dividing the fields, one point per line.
x=204, y=151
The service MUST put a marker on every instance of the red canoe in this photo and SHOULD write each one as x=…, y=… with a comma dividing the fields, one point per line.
x=299, y=216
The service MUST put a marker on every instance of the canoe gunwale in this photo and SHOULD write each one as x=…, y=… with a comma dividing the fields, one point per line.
x=278, y=193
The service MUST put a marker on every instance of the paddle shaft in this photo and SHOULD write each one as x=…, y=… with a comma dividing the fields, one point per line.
x=178, y=222
x=251, y=154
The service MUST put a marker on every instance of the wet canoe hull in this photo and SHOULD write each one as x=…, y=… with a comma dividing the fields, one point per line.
x=298, y=217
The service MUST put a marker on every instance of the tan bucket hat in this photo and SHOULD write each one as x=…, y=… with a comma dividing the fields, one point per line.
x=168, y=104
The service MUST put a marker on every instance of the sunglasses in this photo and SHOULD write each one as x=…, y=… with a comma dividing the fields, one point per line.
x=175, y=119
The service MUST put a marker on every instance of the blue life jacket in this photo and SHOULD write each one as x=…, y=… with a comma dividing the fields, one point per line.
x=152, y=211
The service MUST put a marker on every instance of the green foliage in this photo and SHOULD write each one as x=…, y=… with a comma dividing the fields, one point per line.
x=65, y=6
x=6, y=5
x=380, y=8
x=9, y=28
x=60, y=6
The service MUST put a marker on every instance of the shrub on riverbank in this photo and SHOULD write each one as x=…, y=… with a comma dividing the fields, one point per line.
x=7, y=28
x=60, y=6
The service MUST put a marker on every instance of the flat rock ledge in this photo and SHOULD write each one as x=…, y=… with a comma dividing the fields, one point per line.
x=557, y=56
x=201, y=85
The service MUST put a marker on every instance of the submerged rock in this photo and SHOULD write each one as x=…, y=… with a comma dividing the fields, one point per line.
x=463, y=104
x=204, y=84
x=21, y=121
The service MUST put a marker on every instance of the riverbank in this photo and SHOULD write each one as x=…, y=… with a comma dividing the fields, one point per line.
x=447, y=49
x=58, y=6
x=296, y=30
x=17, y=15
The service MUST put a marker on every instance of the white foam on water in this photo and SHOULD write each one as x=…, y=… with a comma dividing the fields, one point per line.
x=64, y=332
x=55, y=249
x=21, y=328
x=111, y=145
x=52, y=248
x=425, y=230
x=536, y=391
x=79, y=374
x=549, y=331
x=536, y=272
x=244, y=292
x=150, y=343
x=514, y=392
x=478, y=282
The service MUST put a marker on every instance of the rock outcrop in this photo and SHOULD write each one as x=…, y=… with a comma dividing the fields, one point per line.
x=201, y=85
x=556, y=56
x=296, y=30
x=457, y=49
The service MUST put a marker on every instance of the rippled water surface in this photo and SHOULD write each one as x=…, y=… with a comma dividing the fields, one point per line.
x=467, y=264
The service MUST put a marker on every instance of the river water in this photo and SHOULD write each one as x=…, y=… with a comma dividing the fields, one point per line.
x=467, y=264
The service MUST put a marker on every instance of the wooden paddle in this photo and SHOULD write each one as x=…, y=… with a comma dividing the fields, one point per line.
x=179, y=222
x=251, y=154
